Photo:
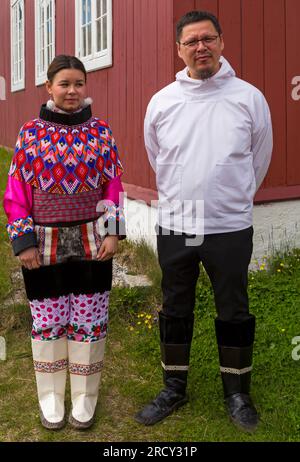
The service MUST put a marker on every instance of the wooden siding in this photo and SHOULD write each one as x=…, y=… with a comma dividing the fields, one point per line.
x=261, y=43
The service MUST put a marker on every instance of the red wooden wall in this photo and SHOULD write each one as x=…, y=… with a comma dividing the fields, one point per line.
x=261, y=43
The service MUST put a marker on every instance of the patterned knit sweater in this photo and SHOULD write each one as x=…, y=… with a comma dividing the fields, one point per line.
x=65, y=170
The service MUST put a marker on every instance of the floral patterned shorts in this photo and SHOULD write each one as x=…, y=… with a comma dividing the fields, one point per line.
x=82, y=318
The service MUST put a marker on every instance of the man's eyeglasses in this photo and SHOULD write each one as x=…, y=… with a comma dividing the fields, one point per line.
x=207, y=41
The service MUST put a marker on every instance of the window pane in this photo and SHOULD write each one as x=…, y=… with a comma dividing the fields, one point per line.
x=20, y=71
x=104, y=6
x=15, y=76
x=49, y=55
x=104, y=33
x=89, y=11
x=89, y=39
x=42, y=36
x=21, y=26
x=20, y=50
x=42, y=65
x=83, y=41
x=49, y=32
x=98, y=44
x=98, y=13
x=41, y=14
x=83, y=12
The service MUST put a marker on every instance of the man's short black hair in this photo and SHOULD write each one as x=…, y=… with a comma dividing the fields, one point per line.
x=196, y=16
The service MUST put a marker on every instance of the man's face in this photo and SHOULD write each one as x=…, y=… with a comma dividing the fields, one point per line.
x=201, y=58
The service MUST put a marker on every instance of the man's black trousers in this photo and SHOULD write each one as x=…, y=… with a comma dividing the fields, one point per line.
x=225, y=257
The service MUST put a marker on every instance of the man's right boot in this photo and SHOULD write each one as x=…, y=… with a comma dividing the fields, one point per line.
x=176, y=337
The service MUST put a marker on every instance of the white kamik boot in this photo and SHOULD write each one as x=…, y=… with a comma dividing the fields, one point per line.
x=85, y=365
x=50, y=365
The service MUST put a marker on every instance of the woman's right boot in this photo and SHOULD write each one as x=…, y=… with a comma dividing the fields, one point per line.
x=50, y=365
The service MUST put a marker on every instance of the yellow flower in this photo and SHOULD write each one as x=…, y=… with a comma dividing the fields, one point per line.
x=281, y=264
x=131, y=328
x=279, y=271
x=149, y=327
x=139, y=322
x=282, y=330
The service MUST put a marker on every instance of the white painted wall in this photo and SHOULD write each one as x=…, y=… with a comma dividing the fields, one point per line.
x=140, y=221
x=276, y=226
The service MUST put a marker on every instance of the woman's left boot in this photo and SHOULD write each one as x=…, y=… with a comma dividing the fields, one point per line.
x=85, y=366
x=235, y=343
x=50, y=365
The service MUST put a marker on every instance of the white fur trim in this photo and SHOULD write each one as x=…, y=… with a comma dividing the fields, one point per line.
x=87, y=102
x=50, y=104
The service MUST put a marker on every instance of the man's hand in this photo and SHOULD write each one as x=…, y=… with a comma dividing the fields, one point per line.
x=30, y=258
x=108, y=248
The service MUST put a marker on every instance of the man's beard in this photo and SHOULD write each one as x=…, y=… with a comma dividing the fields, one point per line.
x=205, y=74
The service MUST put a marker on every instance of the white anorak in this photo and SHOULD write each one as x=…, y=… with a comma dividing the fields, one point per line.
x=209, y=142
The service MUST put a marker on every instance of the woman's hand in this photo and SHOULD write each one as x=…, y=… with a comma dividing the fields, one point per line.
x=30, y=258
x=108, y=248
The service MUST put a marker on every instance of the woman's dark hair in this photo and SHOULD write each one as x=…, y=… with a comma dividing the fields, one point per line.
x=61, y=62
x=196, y=16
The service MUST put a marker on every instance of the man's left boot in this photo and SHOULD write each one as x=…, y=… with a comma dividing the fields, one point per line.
x=235, y=344
x=85, y=366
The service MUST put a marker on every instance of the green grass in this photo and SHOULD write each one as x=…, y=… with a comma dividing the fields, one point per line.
x=132, y=374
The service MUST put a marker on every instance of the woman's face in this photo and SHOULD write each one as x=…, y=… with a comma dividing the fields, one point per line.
x=68, y=89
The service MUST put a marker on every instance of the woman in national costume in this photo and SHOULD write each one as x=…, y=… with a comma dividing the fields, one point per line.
x=63, y=191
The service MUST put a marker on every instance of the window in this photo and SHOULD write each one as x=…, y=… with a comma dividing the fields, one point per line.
x=94, y=33
x=17, y=45
x=44, y=38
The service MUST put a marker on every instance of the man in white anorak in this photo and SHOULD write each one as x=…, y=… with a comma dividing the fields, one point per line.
x=209, y=140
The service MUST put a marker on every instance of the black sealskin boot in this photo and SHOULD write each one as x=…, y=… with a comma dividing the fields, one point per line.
x=235, y=343
x=176, y=336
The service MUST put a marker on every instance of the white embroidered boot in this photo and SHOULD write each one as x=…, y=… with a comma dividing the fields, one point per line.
x=50, y=365
x=85, y=365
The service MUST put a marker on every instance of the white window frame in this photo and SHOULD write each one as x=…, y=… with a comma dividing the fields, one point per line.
x=97, y=59
x=17, y=43
x=41, y=74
